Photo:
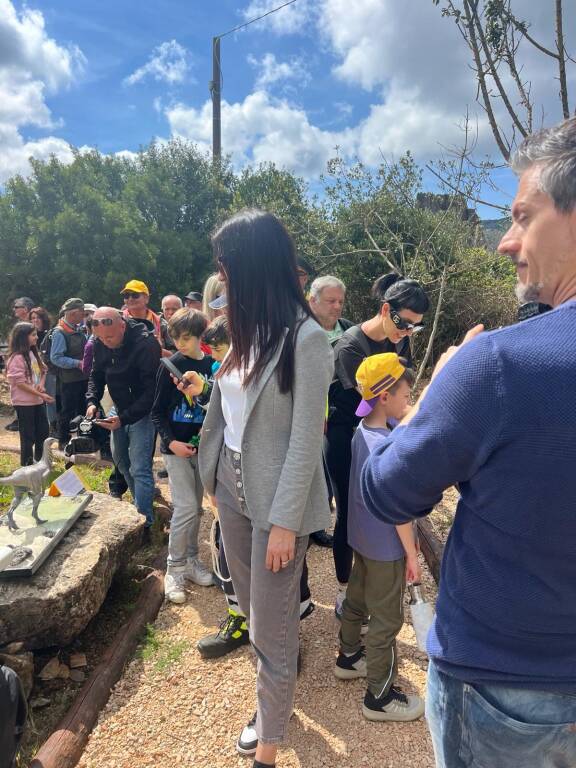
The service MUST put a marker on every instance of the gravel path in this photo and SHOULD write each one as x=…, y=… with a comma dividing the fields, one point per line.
x=173, y=708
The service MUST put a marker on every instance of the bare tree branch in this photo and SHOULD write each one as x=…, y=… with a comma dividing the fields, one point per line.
x=474, y=199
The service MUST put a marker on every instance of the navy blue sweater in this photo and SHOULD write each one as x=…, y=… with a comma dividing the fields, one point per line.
x=499, y=420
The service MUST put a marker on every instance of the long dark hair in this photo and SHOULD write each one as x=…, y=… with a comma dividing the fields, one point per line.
x=19, y=345
x=257, y=255
x=401, y=293
x=43, y=315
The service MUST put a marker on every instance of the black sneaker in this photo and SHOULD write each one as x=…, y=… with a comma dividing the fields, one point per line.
x=322, y=539
x=350, y=667
x=162, y=474
x=231, y=635
x=395, y=706
x=248, y=741
x=13, y=426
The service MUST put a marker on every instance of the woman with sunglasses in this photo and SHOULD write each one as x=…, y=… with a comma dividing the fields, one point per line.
x=260, y=453
x=402, y=303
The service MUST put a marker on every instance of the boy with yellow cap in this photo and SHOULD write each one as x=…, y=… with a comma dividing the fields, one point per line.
x=385, y=556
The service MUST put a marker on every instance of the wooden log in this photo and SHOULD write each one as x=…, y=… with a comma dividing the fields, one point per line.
x=431, y=546
x=64, y=747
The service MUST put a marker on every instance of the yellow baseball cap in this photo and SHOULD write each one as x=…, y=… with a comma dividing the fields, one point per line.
x=375, y=375
x=137, y=286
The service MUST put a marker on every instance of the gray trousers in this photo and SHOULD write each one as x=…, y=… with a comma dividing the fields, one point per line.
x=186, y=491
x=270, y=601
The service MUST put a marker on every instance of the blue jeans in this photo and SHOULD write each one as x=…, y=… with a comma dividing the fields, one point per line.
x=50, y=387
x=495, y=726
x=132, y=451
x=186, y=491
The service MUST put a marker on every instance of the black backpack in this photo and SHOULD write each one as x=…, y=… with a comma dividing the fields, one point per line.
x=13, y=711
x=45, y=350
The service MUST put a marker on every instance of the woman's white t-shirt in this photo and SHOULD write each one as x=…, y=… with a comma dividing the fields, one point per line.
x=233, y=397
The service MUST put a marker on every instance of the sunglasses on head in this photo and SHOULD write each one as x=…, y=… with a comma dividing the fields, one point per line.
x=104, y=321
x=404, y=325
x=131, y=295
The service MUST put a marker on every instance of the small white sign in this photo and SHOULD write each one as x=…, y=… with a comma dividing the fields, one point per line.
x=69, y=483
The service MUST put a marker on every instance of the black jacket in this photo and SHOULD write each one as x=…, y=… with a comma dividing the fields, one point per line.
x=129, y=372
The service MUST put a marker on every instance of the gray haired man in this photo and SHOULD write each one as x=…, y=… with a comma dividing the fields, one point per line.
x=327, y=296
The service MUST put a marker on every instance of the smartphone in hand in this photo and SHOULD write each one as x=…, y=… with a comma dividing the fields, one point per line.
x=169, y=365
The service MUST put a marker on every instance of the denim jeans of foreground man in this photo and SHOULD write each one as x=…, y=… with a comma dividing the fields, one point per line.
x=132, y=451
x=186, y=492
x=495, y=726
x=270, y=601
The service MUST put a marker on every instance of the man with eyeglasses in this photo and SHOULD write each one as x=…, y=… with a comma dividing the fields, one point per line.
x=136, y=298
x=126, y=359
x=21, y=309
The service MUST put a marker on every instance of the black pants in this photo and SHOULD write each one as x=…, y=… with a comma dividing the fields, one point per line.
x=73, y=400
x=33, y=428
x=338, y=454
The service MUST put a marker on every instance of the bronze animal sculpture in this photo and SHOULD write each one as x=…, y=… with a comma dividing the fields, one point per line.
x=29, y=480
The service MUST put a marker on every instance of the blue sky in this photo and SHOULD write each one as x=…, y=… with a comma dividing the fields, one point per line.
x=375, y=77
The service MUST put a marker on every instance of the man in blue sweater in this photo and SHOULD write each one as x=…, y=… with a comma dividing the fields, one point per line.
x=499, y=419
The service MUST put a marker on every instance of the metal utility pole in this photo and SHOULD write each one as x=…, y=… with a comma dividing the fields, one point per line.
x=216, y=91
x=215, y=85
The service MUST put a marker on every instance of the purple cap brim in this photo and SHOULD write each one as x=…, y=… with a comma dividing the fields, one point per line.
x=365, y=407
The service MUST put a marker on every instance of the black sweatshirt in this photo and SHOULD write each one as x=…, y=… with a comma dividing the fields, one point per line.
x=174, y=416
x=129, y=372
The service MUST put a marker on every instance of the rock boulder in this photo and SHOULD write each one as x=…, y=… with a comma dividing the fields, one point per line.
x=55, y=605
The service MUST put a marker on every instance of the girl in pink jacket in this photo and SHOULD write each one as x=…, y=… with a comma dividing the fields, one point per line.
x=26, y=375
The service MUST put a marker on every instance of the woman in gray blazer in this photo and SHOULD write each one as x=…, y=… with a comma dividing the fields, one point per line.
x=261, y=453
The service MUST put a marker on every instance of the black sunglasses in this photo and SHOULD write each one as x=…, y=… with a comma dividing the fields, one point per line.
x=104, y=321
x=18, y=306
x=131, y=295
x=404, y=325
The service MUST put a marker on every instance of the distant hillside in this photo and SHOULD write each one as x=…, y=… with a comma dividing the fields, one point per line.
x=493, y=229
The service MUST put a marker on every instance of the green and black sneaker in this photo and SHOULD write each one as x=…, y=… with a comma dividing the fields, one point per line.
x=231, y=634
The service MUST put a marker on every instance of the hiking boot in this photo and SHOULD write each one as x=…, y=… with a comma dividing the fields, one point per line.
x=351, y=665
x=197, y=572
x=174, y=587
x=395, y=706
x=248, y=740
x=231, y=634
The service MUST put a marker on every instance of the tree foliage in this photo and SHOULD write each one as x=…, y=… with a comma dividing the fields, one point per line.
x=86, y=228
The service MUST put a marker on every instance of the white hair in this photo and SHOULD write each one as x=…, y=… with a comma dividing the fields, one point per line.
x=326, y=281
x=171, y=296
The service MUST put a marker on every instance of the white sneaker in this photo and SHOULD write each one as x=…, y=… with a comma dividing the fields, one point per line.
x=174, y=587
x=197, y=572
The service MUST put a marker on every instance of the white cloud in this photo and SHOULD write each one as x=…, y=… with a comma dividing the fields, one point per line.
x=31, y=65
x=261, y=129
x=25, y=47
x=289, y=20
x=169, y=63
x=15, y=151
x=271, y=71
